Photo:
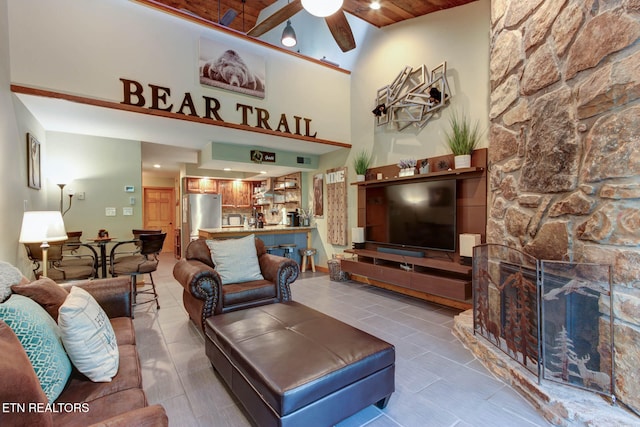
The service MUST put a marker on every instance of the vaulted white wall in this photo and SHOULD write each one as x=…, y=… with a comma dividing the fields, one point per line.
x=83, y=48
x=15, y=121
x=459, y=36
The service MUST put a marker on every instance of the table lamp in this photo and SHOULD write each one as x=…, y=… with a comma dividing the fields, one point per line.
x=42, y=227
x=357, y=237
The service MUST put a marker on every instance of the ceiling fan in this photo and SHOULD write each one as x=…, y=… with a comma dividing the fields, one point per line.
x=337, y=22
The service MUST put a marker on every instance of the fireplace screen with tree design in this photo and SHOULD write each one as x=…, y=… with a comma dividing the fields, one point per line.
x=576, y=325
x=517, y=299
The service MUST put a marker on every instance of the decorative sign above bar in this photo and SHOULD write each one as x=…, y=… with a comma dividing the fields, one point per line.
x=258, y=156
x=159, y=97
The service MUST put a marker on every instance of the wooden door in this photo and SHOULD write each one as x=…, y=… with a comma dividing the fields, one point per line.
x=159, y=213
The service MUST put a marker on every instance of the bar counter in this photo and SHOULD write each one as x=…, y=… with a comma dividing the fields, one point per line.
x=270, y=234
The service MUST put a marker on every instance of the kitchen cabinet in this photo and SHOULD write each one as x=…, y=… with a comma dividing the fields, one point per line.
x=201, y=185
x=236, y=194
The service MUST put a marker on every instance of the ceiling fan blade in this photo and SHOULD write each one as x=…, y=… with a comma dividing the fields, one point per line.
x=341, y=31
x=276, y=19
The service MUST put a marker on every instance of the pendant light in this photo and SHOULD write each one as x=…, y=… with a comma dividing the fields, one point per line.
x=322, y=8
x=289, y=36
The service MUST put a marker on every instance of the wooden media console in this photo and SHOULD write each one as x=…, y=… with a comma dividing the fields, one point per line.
x=438, y=276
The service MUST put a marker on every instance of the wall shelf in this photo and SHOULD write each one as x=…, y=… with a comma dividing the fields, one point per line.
x=457, y=173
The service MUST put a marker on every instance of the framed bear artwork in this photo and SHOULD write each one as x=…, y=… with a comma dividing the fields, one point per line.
x=230, y=68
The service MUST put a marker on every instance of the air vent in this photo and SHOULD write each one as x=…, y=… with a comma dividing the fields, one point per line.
x=303, y=160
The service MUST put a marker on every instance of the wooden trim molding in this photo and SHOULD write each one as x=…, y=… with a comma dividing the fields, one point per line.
x=167, y=114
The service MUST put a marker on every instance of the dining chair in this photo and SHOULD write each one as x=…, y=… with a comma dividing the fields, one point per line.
x=63, y=267
x=75, y=252
x=134, y=263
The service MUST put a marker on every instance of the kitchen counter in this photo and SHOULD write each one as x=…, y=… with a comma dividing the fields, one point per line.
x=268, y=230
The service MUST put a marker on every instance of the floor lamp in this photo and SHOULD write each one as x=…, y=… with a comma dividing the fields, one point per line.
x=42, y=227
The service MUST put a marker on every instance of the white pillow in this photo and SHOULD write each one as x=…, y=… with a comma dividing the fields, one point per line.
x=88, y=336
x=236, y=260
x=9, y=275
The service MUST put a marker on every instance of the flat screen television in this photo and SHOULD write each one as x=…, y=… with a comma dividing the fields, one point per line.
x=413, y=215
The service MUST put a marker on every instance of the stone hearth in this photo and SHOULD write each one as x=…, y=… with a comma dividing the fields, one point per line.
x=564, y=168
x=559, y=404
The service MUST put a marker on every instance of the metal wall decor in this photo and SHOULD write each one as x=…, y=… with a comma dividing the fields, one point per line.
x=413, y=97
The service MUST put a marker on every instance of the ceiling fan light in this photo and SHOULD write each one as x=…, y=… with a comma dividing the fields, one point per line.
x=288, y=36
x=375, y=5
x=322, y=8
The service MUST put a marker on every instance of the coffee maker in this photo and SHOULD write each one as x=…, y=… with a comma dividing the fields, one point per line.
x=293, y=219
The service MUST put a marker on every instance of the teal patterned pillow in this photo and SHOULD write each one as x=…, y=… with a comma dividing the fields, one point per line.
x=40, y=336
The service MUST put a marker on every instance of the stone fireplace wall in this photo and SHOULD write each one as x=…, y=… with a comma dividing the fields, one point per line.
x=564, y=146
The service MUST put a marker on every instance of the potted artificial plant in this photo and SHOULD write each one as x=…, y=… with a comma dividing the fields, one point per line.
x=462, y=139
x=361, y=163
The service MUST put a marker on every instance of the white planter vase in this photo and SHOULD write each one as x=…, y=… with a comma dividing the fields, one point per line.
x=359, y=178
x=407, y=172
x=463, y=161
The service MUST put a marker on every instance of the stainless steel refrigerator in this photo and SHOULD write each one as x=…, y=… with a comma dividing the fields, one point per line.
x=200, y=211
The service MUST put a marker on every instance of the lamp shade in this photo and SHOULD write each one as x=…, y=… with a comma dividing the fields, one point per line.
x=289, y=36
x=357, y=234
x=322, y=8
x=42, y=226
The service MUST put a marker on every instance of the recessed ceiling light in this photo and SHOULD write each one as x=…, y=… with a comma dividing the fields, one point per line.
x=375, y=5
x=157, y=166
x=263, y=172
x=226, y=169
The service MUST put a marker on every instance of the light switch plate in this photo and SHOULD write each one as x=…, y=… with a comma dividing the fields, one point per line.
x=110, y=211
x=127, y=211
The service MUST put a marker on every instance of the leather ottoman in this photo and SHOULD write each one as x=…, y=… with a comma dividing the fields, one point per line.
x=290, y=365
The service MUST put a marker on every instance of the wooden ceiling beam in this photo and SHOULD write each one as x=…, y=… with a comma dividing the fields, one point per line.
x=391, y=11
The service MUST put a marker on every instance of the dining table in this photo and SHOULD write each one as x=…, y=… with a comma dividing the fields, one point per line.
x=101, y=243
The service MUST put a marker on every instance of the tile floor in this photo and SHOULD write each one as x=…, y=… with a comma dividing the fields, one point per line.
x=438, y=382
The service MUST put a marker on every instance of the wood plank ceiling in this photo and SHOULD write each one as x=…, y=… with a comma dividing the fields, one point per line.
x=390, y=12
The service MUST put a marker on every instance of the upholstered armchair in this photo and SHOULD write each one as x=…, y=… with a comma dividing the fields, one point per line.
x=204, y=294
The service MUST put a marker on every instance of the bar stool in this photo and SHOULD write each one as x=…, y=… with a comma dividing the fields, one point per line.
x=270, y=248
x=307, y=253
x=288, y=249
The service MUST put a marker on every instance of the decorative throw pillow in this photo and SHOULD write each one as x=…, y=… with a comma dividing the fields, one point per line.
x=45, y=292
x=88, y=336
x=19, y=383
x=40, y=338
x=236, y=260
x=9, y=275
